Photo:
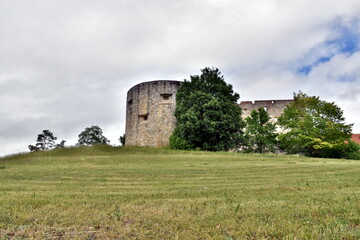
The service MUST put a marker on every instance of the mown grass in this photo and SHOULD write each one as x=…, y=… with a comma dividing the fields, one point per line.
x=108, y=192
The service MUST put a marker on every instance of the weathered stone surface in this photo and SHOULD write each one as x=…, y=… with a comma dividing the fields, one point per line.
x=150, y=110
x=274, y=107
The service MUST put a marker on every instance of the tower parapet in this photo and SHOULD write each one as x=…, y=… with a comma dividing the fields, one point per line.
x=274, y=107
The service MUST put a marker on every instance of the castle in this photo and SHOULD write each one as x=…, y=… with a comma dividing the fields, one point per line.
x=150, y=109
x=274, y=107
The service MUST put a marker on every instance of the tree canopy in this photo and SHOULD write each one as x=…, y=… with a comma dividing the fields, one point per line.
x=46, y=141
x=207, y=115
x=313, y=127
x=122, y=139
x=260, y=133
x=91, y=136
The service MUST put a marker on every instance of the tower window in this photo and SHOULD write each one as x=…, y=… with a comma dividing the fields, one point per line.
x=166, y=96
x=143, y=117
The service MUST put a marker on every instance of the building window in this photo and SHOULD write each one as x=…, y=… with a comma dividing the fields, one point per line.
x=166, y=96
x=144, y=117
x=130, y=102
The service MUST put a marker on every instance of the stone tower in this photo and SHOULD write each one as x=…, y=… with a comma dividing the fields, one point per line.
x=150, y=110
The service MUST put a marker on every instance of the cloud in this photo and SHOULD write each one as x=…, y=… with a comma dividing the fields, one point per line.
x=343, y=38
x=339, y=80
x=66, y=65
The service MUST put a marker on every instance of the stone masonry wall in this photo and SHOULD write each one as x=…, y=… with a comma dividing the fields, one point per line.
x=274, y=107
x=150, y=110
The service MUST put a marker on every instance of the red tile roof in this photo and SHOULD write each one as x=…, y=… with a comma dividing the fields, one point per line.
x=356, y=138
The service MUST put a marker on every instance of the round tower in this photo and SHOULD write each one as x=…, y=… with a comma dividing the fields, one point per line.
x=150, y=109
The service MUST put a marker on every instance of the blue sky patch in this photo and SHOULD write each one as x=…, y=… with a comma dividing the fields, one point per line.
x=346, y=41
x=306, y=69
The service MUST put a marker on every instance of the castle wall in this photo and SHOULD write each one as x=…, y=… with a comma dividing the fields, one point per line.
x=274, y=107
x=150, y=111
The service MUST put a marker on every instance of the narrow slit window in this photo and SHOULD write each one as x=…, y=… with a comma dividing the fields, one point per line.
x=166, y=96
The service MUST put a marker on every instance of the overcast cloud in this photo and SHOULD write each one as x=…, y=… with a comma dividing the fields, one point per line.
x=66, y=65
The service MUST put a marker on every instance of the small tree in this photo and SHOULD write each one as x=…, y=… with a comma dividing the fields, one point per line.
x=61, y=144
x=260, y=132
x=207, y=116
x=313, y=127
x=45, y=141
x=122, y=140
x=92, y=136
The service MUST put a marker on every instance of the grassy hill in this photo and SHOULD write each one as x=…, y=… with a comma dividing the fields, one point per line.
x=140, y=193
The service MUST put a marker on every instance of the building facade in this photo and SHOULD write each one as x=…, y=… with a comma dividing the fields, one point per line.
x=274, y=107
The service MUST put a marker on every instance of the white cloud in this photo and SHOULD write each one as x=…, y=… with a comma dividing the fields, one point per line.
x=339, y=80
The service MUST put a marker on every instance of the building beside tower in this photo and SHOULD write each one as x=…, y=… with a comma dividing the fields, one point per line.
x=274, y=107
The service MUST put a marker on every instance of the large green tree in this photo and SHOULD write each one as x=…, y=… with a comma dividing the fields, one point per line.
x=313, y=127
x=260, y=132
x=207, y=115
x=91, y=136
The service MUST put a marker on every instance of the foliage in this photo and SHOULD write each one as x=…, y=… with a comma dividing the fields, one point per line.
x=46, y=141
x=61, y=144
x=206, y=113
x=348, y=149
x=313, y=127
x=122, y=140
x=352, y=150
x=259, y=133
x=91, y=136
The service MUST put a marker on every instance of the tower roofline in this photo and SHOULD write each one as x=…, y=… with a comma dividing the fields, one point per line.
x=153, y=81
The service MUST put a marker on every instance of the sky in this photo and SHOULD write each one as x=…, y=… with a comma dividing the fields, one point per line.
x=67, y=64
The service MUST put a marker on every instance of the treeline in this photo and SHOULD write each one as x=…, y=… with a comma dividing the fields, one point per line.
x=208, y=118
x=90, y=136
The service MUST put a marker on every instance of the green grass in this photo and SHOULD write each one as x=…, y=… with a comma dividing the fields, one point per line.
x=107, y=192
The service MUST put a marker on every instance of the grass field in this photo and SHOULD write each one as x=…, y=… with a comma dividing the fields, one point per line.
x=108, y=192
